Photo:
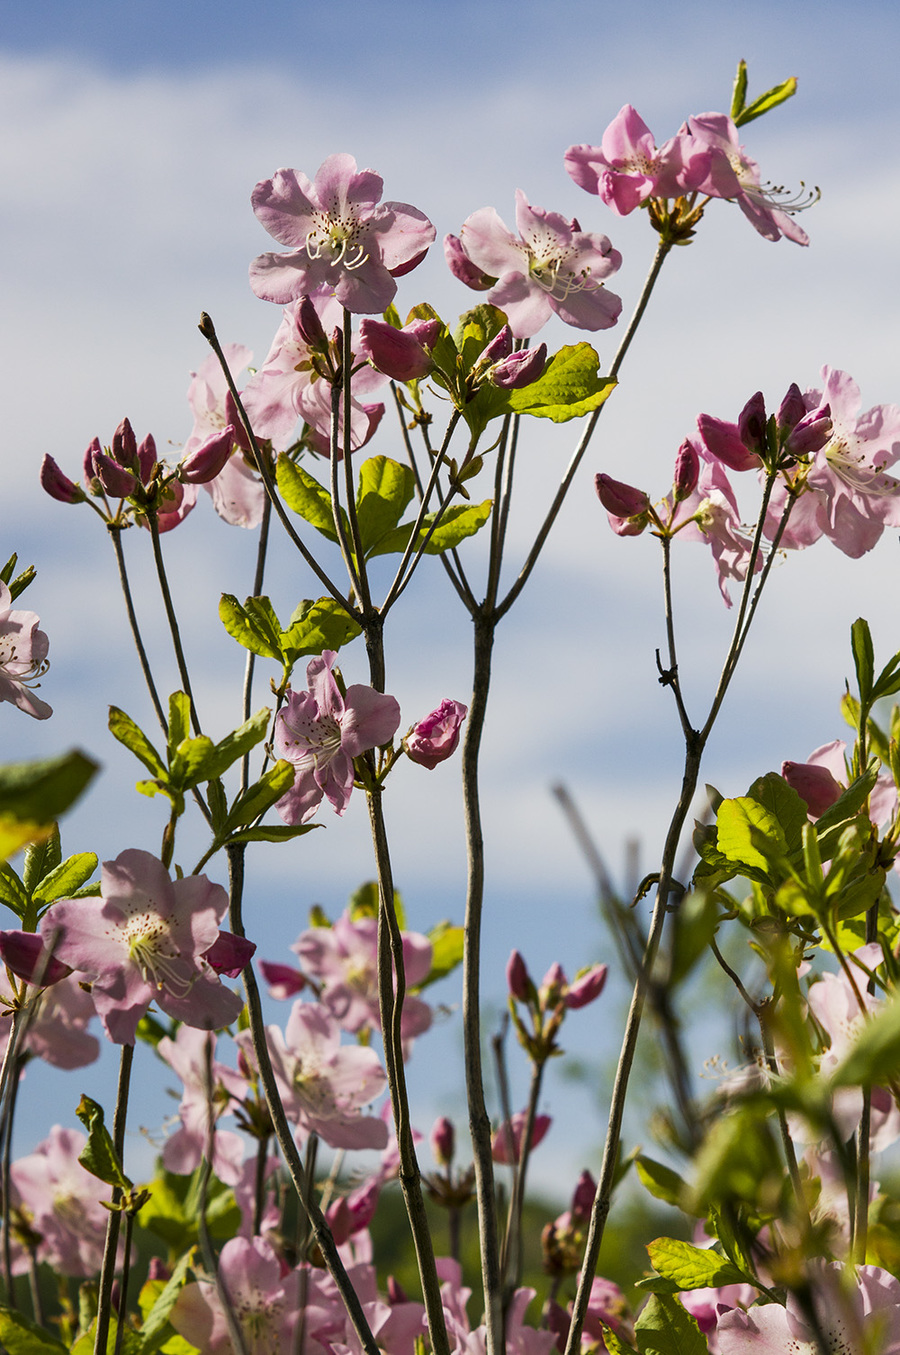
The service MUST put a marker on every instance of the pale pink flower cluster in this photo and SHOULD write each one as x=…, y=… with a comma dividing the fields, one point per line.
x=23, y=657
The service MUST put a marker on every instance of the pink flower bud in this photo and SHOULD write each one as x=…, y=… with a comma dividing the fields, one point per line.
x=462, y=267
x=586, y=987
x=283, y=981
x=147, y=459
x=88, y=471
x=443, y=1141
x=158, y=1270
x=114, y=480
x=687, y=471
x=553, y=986
x=813, y=784
x=57, y=485
x=752, y=423
x=518, y=980
x=520, y=369
x=723, y=442
x=500, y=346
x=27, y=956
x=512, y=1131
x=792, y=409
x=395, y=1291
x=339, y=1220
x=310, y=325
x=230, y=954
x=393, y=351
x=620, y=500
x=811, y=433
x=233, y=417
x=124, y=445
x=583, y=1197
x=426, y=331
x=206, y=461
x=435, y=738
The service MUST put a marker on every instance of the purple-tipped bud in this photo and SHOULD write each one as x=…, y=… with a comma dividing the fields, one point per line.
x=114, y=480
x=619, y=499
x=813, y=784
x=436, y=738
x=518, y=980
x=27, y=956
x=554, y=986
x=500, y=346
x=510, y=1135
x=443, y=1141
x=310, y=326
x=283, y=981
x=57, y=485
x=395, y=352
x=752, y=423
x=723, y=441
x=158, y=1270
x=792, y=410
x=462, y=267
x=206, y=461
x=811, y=434
x=426, y=331
x=233, y=417
x=230, y=954
x=93, y=448
x=687, y=471
x=124, y=445
x=583, y=1197
x=147, y=459
x=395, y=1291
x=520, y=369
x=587, y=986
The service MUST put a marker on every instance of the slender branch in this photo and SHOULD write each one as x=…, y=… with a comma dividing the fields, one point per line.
x=512, y=1256
x=351, y=549
x=404, y=574
x=108, y=1266
x=171, y=617
x=247, y=694
x=115, y=535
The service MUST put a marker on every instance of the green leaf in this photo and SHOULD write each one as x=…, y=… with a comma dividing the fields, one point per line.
x=130, y=1344
x=275, y=833
x=662, y=1182
x=739, y=92
x=750, y=837
x=12, y=892
x=663, y=1327
x=40, y=859
x=315, y=627
x=156, y=1328
x=457, y=522
x=237, y=743
x=475, y=330
x=831, y=824
x=447, y=945
x=38, y=792
x=99, y=1155
x=68, y=876
x=364, y=902
x=189, y=763
x=246, y=628
x=863, y=658
x=888, y=681
x=771, y=99
x=385, y=488
x=690, y=1267
x=306, y=496
x=785, y=806
x=614, y=1344
x=179, y=721
x=21, y=1336
x=123, y=728
x=569, y=387
x=257, y=798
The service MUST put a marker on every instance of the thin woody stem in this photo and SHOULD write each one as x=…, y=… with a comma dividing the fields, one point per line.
x=115, y=535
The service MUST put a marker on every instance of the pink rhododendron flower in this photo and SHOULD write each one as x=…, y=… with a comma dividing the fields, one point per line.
x=732, y=174
x=552, y=266
x=626, y=168
x=207, y=1086
x=343, y=961
x=462, y=267
x=864, y=1319
x=520, y=1338
x=237, y=492
x=710, y=514
x=510, y=1135
x=265, y=1300
x=321, y=732
x=142, y=941
x=626, y=507
x=436, y=737
x=65, y=1203
x=340, y=239
x=58, y=1022
x=324, y=1084
x=23, y=657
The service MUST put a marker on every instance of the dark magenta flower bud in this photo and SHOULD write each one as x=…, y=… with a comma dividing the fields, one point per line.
x=443, y=1141
x=147, y=459
x=517, y=978
x=283, y=981
x=310, y=326
x=426, y=331
x=395, y=352
x=792, y=409
x=395, y=1291
x=57, y=485
x=510, y=1136
x=115, y=481
x=586, y=987
x=462, y=267
x=813, y=784
x=811, y=433
x=500, y=346
x=27, y=956
x=723, y=441
x=520, y=369
x=619, y=499
x=93, y=448
x=687, y=471
x=583, y=1197
x=230, y=954
x=124, y=445
x=435, y=738
x=206, y=461
x=752, y=424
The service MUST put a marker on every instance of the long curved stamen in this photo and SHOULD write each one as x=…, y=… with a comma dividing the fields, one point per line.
x=560, y=282
x=161, y=968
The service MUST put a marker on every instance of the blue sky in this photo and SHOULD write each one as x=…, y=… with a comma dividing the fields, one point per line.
x=139, y=132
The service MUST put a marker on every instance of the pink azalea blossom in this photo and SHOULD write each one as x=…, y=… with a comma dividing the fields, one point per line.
x=513, y=1130
x=553, y=266
x=339, y=238
x=265, y=1301
x=343, y=961
x=626, y=168
x=142, y=941
x=57, y=1030
x=436, y=737
x=207, y=1088
x=324, y=1085
x=23, y=657
x=321, y=732
x=732, y=174
x=64, y=1202
x=865, y=1318
x=520, y=1338
x=710, y=514
x=237, y=492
